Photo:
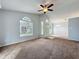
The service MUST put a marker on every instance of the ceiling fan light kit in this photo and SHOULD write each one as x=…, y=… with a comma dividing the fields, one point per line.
x=45, y=10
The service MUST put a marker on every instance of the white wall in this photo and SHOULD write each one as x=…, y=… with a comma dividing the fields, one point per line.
x=10, y=26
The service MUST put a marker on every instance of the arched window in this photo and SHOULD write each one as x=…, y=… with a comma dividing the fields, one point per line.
x=26, y=27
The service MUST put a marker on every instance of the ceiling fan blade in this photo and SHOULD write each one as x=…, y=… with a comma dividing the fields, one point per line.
x=50, y=5
x=42, y=6
x=39, y=10
x=50, y=10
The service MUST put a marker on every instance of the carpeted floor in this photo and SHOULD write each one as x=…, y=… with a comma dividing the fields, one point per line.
x=42, y=48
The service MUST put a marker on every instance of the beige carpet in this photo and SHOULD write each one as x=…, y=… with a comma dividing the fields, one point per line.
x=43, y=48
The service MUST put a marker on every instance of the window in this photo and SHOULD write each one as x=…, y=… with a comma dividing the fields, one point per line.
x=26, y=27
x=61, y=29
x=42, y=24
x=46, y=27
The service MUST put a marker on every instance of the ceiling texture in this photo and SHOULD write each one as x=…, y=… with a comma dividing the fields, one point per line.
x=62, y=8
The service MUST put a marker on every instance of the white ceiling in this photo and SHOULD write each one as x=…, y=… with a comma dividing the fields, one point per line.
x=30, y=6
x=62, y=8
x=33, y=5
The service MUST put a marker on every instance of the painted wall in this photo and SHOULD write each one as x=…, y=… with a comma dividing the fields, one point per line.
x=10, y=26
x=73, y=28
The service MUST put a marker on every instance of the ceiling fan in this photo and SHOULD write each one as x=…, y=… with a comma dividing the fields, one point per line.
x=46, y=7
